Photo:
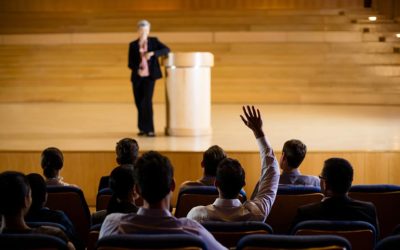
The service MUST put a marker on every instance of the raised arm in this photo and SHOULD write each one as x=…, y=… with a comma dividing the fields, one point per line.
x=269, y=179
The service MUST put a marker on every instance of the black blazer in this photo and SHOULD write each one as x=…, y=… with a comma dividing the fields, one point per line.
x=153, y=44
x=338, y=208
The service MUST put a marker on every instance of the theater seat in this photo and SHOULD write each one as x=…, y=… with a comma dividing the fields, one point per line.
x=150, y=241
x=360, y=234
x=229, y=233
x=387, y=212
x=190, y=197
x=389, y=243
x=31, y=242
x=280, y=242
x=72, y=201
x=93, y=236
x=288, y=200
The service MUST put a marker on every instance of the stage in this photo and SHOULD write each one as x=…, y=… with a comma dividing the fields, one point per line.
x=368, y=136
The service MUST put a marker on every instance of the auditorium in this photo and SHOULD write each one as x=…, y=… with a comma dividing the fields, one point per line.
x=200, y=124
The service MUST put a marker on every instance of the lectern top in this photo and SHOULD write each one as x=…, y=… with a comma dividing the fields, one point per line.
x=189, y=59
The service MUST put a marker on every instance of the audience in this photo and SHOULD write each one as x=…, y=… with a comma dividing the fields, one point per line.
x=230, y=179
x=211, y=158
x=127, y=151
x=52, y=163
x=293, y=154
x=155, y=184
x=15, y=189
x=336, y=179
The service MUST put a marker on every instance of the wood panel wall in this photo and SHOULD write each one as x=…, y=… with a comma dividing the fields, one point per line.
x=86, y=168
x=389, y=8
x=134, y=5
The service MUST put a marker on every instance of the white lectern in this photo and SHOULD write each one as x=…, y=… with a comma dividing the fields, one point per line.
x=188, y=90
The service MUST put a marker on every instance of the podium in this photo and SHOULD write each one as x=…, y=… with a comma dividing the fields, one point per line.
x=188, y=93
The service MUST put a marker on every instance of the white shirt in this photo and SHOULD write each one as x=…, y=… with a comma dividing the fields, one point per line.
x=256, y=209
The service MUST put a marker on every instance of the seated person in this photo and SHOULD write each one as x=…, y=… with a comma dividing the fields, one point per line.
x=336, y=179
x=155, y=183
x=293, y=154
x=231, y=178
x=15, y=189
x=39, y=213
x=127, y=151
x=122, y=184
x=211, y=158
x=52, y=163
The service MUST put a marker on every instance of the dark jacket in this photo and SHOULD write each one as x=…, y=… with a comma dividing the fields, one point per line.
x=153, y=44
x=338, y=208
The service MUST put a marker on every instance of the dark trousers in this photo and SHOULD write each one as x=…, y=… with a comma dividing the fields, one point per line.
x=143, y=93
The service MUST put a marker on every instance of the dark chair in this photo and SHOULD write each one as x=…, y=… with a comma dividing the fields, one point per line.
x=31, y=242
x=72, y=201
x=229, y=233
x=360, y=234
x=190, y=197
x=280, y=242
x=379, y=195
x=150, y=241
x=289, y=198
x=103, y=198
x=389, y=243
x=104, y=182
x=93, y=236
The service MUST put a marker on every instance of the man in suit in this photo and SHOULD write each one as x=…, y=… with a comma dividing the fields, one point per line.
x=336, y=180
x=143, y=61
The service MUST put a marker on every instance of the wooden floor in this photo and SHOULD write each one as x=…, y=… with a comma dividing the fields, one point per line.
x=369, y=136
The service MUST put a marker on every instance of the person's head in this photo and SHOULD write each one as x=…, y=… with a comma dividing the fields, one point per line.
x=211, y=158
x=336, y=177
x=143, y=28
x=230, y=178
x=52, y=162
x=154, y=177
x=38, y=189
x=127, y=151
x=15, y=194
x=293, y=154
x=122, y=182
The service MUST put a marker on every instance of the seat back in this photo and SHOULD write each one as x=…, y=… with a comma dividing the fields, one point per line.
x=360, y=234
x=72, y=201
x=150, y=241
x=31, y=242
x=389, y=243
x=280, y=242
x=229, y=233
x=192, y=196
x=379, y=195
x=288, y=200
x=93, y=236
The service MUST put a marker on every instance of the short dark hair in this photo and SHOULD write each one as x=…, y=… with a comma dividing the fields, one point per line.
x=122, y=181
x=127, y=151
x=38, y=188
x=154, y=175
x=52, y=161
x=230, y=177
x=294, y=151
x=14, y=188
x=211, y=158
x=338, y=173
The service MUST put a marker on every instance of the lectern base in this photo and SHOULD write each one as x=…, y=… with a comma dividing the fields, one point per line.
x=187, y=132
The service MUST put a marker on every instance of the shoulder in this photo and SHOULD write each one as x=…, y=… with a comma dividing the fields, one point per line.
x=53, y=231
x=197, y=213
x=114, y=217
x=363, y=204
x=134, y=42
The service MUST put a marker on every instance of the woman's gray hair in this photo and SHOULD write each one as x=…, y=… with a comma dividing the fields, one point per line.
x=143, y=23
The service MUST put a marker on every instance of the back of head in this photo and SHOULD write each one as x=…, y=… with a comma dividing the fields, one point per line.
x=127, y=151
x=230, y=178
x=338, y=173
x=211, y=159
x=122, y=181
x=14, y=188
x=154, y=176
x=52, y=161
x=38, y=188
x=294, y=151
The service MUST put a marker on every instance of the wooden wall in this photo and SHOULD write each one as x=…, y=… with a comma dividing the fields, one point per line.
x=134, y=5
x=86, y=168
x=389, y=8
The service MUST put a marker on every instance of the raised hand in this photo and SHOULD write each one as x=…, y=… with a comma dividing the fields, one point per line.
x=253, y=120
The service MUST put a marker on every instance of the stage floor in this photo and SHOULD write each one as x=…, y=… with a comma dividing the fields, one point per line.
x=97, y=127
